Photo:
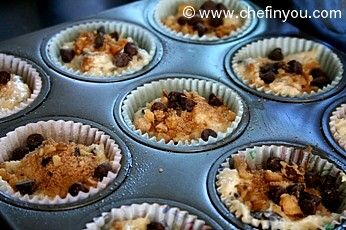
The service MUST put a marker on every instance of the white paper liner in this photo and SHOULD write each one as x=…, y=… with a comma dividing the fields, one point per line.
x=327, y=59
x=166, y=8
x=60, y=131
x=338, y=113
x=28, y=74
x=256, y=157
x=138, y=98
x=170, y=217
x=137, y=33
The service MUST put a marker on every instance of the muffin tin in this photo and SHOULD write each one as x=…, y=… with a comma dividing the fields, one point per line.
x=178, y=177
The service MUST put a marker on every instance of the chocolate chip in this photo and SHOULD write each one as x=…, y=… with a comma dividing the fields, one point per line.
x=34, y=140
x=187, y=104
x=312, y=179
x=102, y=170
x=182, y=20
x=195, y=20
x=19, y=153
x=215, y=21
x=50, y=173
x=76, y=188
x=295, y=67
x=45, y=161
x=308, y=203
x=200, y=28
x=320, y=82
x=291, y=173
x=279, y=65
x=207, y=133
x=4, y=77
x=174, y=99
x=122, y=60
x=214, y=100
x=155, y=226
x=175, y=96
x=276, y=55
x=26, y=187
x=317, y=72
x=115, y=35
x=328, y=181
x=295, y=189
x=76, y=152
x=98, y=43
x=158, y=106
x=331, y=199
x=273, y=164
x=268, y=77
x=101, y=30
x=208, y=5
x=131, y=49
x=268, y=67
x=274, y=193
x=67, y=55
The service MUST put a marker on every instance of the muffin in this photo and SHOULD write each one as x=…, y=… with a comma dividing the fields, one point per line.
x=49, y=168
x=179, y=112
x=184, y=116
x=263, y=187
x=209, y=26
x=13, y=91
x=197, y=24
x=20, y=85
x=56, y=162
x=98, y=53
x=337, y=125
x=287, y=67
x=147, y=216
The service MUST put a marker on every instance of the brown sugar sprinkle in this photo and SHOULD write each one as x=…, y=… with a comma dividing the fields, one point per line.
x=54, y=167
x=86, y=42
x=284, y=190
x=182, y=116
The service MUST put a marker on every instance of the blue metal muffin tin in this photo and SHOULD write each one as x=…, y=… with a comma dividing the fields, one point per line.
x=177, y=177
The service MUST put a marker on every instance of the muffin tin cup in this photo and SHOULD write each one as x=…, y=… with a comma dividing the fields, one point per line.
x=170, y=217
x=260, y=47
x=145, y=40
x=29, y=76
x=256, y=156
x=146, y=93
x=335, y=110
x=161, y=9
x=64, y=131
x=339, y=113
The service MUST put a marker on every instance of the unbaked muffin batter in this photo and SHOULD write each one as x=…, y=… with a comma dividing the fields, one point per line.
x=289, y=75
x=49, y=168
x=212, y=26
x=286, y=195
x=100, y=54
x=13, y=91
x=184, y=116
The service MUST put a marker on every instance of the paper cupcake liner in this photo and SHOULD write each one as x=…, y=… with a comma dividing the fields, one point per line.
x=166, y=8
x=339, y=113
x=256, y=158
x=138, y=98
x=60, y=131
x=170, y=217
x=29, y=75
x=137, y=33
x=328, y=60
